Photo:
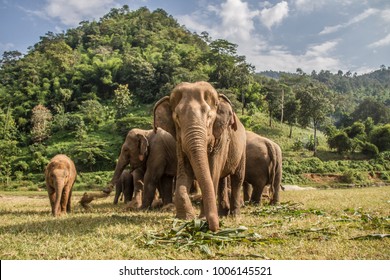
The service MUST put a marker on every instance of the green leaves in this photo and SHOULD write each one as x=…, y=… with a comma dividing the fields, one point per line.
x=186, y=235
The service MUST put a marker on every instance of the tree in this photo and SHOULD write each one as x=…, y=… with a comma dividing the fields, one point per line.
x=272, y=94
x=41, y=121
x=291, y=109
x=380, y=137
x=122, y=100
x=374, y=109
x=315, y=107
x=341, y=142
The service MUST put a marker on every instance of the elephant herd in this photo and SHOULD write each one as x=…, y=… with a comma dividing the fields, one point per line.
x=196, y=139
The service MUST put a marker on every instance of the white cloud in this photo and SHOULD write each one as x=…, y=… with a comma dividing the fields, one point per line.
x=322, y=49
x=381, y=43
x=6, y=47
x=331, y=29
x=237, y=19
x=71, y=12
x=275, y=15
x=385, y=14
x=316, y=57
x=308, y=5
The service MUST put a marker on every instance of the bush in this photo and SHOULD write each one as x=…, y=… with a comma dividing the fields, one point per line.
x=341, y=142
x=370, y=149
x=123, y=125
x=352, y=176
x=380, y=137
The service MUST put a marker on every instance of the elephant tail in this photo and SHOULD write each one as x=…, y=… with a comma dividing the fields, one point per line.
x=274, y=170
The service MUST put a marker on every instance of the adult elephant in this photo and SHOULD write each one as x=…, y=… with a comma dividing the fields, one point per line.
x=263, y=167
x=210, y=145
x=152, y=157
x=60, y=175
x=125, y=186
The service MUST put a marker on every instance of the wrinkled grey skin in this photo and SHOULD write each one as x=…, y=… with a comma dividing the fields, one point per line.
x=210, y=145
x=152, y=159
x=125, y=186
x=263, y=167
x=60, y=175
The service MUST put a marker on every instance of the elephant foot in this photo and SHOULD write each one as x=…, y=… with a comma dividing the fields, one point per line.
x=185, y=216
x=157, y=203
x=235, y=212
x=196, y=198
x=223, y=212
x=170, y=207
x=274, y=202
x=133, y=205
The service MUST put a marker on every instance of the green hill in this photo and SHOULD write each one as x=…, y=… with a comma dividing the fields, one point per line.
x=80, y=91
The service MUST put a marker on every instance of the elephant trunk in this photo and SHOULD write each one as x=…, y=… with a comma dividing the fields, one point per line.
x=195, y=143
x=59, y=184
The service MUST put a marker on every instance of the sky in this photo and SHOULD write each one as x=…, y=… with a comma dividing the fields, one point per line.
x=347, y=35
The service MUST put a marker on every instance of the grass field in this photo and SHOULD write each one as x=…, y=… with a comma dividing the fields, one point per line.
x=311, y=224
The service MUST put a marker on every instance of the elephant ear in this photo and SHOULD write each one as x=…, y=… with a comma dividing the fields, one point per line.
x=143, y=144
x=225, y=117
x=163, y=116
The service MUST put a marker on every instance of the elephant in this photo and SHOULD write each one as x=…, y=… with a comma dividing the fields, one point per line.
x=210, y=145
x=125, y=186
x=263, y=167
x=152, y=157
x=60, y=175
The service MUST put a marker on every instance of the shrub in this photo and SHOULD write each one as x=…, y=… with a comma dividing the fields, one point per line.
x=380, y=137
x=370, y=149
x=123, y=125
x=352, y=176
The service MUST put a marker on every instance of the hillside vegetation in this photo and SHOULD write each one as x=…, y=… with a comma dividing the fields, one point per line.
x=79, y=92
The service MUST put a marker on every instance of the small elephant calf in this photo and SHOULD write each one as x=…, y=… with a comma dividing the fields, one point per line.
x=60, y=175
x=124, y=186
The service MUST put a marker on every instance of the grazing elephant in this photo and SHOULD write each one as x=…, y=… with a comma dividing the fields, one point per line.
x=125, y=186
x=263, y=167
x=152, y=157
x=210, y=145
x=60, y=175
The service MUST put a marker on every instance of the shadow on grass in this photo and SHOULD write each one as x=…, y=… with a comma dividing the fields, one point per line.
x=81, y=222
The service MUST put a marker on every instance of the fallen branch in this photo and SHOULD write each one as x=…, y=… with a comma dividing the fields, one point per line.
x=87, y=198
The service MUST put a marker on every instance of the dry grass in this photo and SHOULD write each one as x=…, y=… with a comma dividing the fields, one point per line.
x=317, y=224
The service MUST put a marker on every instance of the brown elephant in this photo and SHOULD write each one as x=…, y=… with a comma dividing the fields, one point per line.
x=125, y=186
x=152, y=157
x=263, y=167
x=60, y=175
x=210, y=145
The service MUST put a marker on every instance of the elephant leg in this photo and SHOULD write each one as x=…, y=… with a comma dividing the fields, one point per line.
x=166, y=191
x=52, y=198
x=128, y=188
x=118, y=191
x=136, y=202
x=184, y=209
x=258, y=189
x=247, y=190
x=223, y=196
x=69, y=204
x=65, y=199
x=235, y=197
x=150, y=187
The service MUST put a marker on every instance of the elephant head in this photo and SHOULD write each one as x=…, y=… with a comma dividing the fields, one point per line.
x=134, y=151
x=192, y=115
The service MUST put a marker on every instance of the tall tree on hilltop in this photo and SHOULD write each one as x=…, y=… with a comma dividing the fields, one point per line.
x=316, y=105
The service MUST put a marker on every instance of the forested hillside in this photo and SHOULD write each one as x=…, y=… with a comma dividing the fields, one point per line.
x=80, y=91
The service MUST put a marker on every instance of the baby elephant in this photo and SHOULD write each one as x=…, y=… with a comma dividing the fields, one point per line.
x=60, y=175
x=124, y=185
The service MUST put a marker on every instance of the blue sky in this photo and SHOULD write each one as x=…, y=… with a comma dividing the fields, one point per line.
x=347, y=35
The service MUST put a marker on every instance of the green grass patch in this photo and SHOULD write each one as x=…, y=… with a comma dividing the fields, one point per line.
x=316, y=224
